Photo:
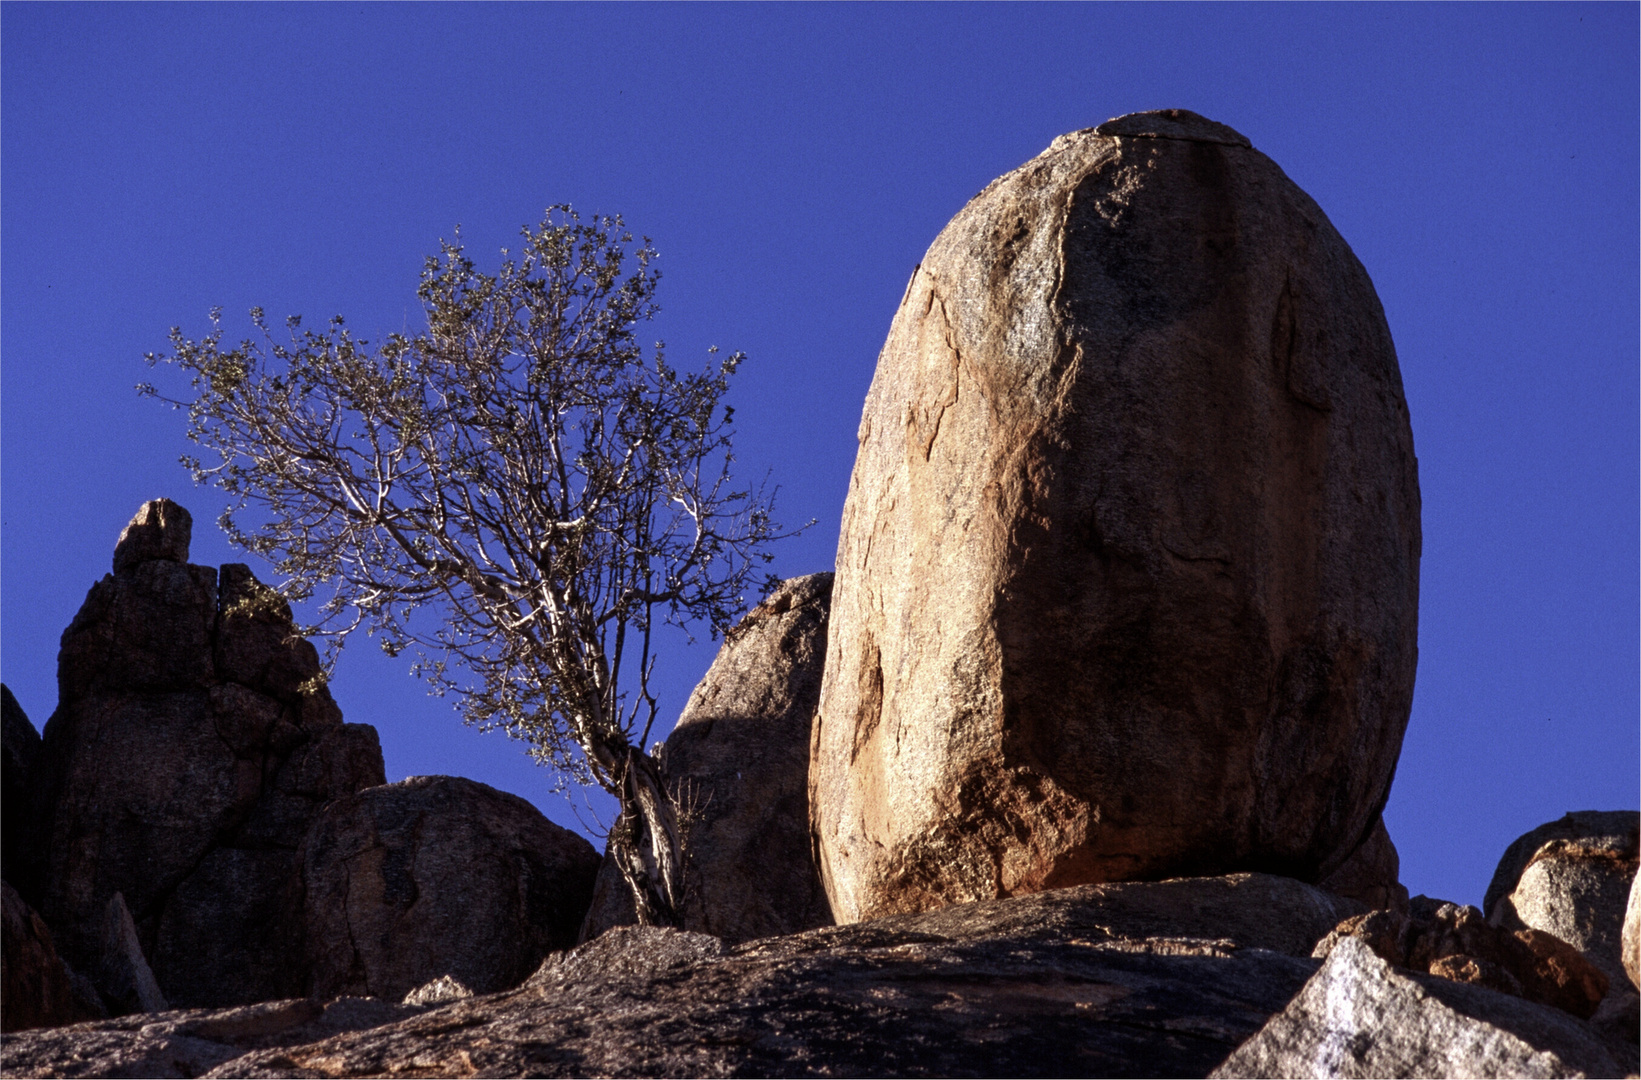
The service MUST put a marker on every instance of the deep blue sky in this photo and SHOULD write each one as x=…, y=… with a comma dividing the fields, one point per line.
x=792, y=163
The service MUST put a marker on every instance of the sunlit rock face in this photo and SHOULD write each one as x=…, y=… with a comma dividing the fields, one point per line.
x=1127, y=585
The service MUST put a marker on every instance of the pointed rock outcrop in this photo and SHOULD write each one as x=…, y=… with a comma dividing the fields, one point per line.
x=192, y=745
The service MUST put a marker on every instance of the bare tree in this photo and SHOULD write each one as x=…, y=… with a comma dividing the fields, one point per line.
x=520, y=493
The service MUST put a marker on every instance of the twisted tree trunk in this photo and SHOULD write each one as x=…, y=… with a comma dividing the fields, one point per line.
x=646, y=842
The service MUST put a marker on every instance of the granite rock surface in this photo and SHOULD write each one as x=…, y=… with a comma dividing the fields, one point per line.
x=437, y=876
x=1127, y=585
x=738, y=761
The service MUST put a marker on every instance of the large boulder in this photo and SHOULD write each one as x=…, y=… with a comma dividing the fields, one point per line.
x=1571, y=878
x=1359, y=1017
x=434, y=876
x=192, y=745
x=1135, y=979
x=1127, y=585
x=738, y=764
x=19, y=745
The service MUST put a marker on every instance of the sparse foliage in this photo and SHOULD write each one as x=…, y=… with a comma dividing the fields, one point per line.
x=522, y=494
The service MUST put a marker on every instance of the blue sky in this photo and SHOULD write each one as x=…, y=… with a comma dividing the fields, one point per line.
x=792, y=163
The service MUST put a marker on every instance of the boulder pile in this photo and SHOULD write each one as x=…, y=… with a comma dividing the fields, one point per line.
x=199, y=827
x=1076, y=767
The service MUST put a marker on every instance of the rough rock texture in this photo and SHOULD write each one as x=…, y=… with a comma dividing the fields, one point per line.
x=1139, y=979
x=1359, y=1018
x=188, y=1042
x=1372, y=874
x=438, y=991
x=437, y=875
x=739, y=757
x=1571, y=878
x=19, y=745
x=189, y=751
x=1457, y=943
x=1631, y=940
x=160, y=531
x=122, y=974
x=36, y=988
x=1127, y=585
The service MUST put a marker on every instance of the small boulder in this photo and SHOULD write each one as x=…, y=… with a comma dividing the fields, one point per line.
x=738, y=765
x=1456, y=943
x=433, y=876
x=1372, y=873
x=1358, y=1017
x=1571, y=878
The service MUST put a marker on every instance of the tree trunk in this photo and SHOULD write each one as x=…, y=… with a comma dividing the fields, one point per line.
x=646, y=843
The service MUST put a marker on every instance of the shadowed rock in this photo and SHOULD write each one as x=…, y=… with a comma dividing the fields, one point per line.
x=1372, y=874
x=36, y=987
x=19, y=745
x=437, y=876
x=1140, y=979
x=1127, y=586
x=189, y=1042
x=191, y=747
x=738, y=761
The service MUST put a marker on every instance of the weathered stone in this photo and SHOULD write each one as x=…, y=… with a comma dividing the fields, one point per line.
x=161, y=530
x=256, y=644
x=1631, y=939
x=164, y=777
x=1127, y=586
x=19, y=745
x=188, y=1042
x=438, y=991
x=437, y=875
x=1357, y=1017
x=36, y=987
x=1456, y=943
x=1372, y=873
x=1573, y=881
x=738, y=762
x=1108, y=980
x=122, y=974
